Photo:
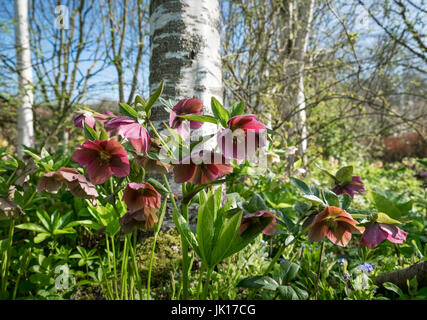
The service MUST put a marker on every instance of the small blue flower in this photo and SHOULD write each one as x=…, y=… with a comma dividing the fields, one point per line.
x=375, y=291
x=282, y=261
x=303, y=246
x=327, y=256
x=347, y=276
x=342, y=260
x=366, y=267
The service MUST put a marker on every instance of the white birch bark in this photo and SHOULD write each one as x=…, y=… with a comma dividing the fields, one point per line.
x=300, y=15
x=25, y=77
x=185, y=52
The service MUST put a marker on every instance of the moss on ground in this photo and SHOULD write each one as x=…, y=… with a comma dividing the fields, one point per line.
x=167, y=256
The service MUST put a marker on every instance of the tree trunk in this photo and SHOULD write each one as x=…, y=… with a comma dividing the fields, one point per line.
x=400, y=277
x=301, y=15
x=185, y=51
x=185, y=54
x=25, y=77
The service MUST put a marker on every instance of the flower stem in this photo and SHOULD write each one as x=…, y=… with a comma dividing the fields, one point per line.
x=316, y=288
x=207, y=284
x=114, y=267
x=161, y=139
x=185, y=259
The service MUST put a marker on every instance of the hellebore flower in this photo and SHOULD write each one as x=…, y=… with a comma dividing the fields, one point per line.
x=243, y=136
x=378, y=232
x=80, y=119
x=76, y=182
x=201, y=168
x=334, y=223
x=102, y=158
x=351, y=188
x=183, y=107
x=152, y=165
x=130, y=129
x=143, y=201
x=256, y=218
x=138, y=196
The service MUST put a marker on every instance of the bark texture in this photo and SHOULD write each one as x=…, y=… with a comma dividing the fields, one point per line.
x=25, y=77
x=185, y=51
x=400, y=277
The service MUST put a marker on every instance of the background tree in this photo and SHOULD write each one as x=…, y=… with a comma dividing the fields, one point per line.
x=25, y=77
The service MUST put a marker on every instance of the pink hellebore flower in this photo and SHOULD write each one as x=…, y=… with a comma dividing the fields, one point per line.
x=130, y=129
x=102, y=158
x=243, y=136
x=351, y=188
x=143, y=201
x=334, y=223
x=80, y=119
x=256, y=218
x=201, y=168
x=378, y=232
x=76, y=182
x=138, y=196
x=184, y=107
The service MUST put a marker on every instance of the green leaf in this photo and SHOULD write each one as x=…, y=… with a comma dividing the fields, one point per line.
x=205, y=224
x=381, y=217
x=292, y=293
x=385, y=205
x=288, y=271
x=220, y=112
x=31, y=227
x=259, y=282
x=40, y=237
x=330, y=198
x=237, y=109
x=225, y=240
x=392, y=287
x=247, y=236
x=256, y=203
x=327, y=172
x=89, y=132
x=158, y=186
x=345, y=201
x=127, y=110
x=313, y=199
x=345, y=174
x=185, y=231
x=154, y=98
x=301, y=185
x=197, y=117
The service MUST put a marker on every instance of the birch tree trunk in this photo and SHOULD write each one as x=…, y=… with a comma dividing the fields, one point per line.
x=185, y=52
x=25, y=77
x=300, y=15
